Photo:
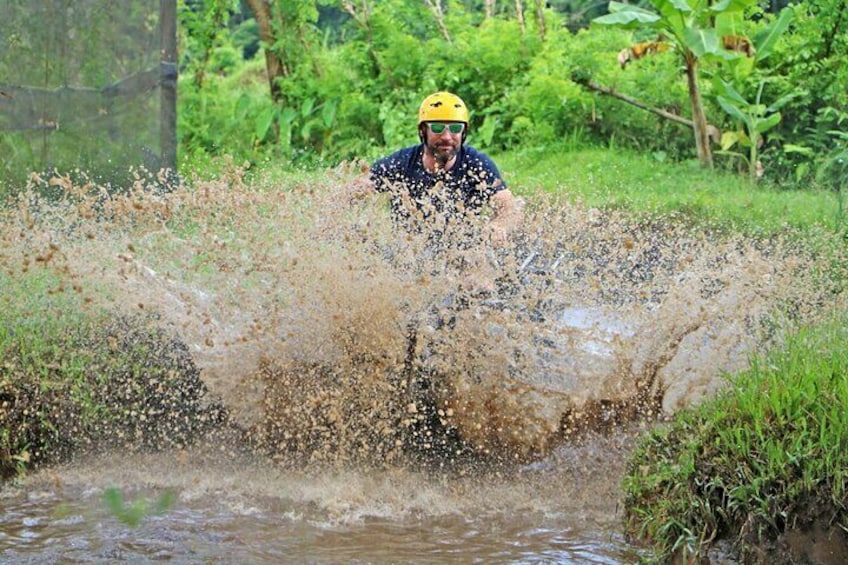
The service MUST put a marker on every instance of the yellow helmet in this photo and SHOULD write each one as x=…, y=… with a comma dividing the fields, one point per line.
x=443, y=106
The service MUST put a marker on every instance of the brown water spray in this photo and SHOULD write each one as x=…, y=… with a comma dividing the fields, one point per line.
x=331, y=336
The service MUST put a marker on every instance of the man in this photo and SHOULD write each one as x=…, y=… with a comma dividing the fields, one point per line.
x=441, y=181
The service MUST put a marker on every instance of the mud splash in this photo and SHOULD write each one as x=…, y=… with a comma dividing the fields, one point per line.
x=332, y=337
x=377, y=393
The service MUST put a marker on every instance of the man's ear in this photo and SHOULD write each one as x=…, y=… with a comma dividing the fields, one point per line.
x=422, y=132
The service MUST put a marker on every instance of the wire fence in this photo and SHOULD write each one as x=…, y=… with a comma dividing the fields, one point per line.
x=87, y=87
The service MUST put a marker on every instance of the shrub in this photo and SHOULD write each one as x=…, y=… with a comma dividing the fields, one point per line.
x=95, y=383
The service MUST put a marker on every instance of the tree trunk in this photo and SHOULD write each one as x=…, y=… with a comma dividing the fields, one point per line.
x=540, y=18
x=436, y=7
x=699, y=119
x=519, y=14
x=362, y=16
x=262, y=13
x=490, y=9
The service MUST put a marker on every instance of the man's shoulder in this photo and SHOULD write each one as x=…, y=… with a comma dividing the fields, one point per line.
x=399, y=158
x=475, y=158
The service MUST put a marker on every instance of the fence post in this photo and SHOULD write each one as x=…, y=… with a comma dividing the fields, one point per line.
x=169, y=72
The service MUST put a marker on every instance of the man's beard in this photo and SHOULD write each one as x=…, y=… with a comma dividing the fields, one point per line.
x=443, y=153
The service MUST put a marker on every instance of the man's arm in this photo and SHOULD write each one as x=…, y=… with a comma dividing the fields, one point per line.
x=508, y=212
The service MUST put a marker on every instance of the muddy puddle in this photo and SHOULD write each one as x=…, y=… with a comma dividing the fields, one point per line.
x=249, y=511
x=389, y=410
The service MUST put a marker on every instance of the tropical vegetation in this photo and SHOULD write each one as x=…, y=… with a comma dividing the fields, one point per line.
x=763, y=84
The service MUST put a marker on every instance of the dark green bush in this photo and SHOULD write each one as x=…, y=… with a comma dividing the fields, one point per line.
x=95, y=384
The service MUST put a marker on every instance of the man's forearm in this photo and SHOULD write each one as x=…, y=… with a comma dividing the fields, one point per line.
x=508, y=213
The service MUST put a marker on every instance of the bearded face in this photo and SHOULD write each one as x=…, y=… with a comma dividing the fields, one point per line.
x=445, y=144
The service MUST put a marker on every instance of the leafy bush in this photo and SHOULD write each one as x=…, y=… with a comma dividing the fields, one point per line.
x=809, y=62
x=545, y=104
x=76, y=382
x=225, y=115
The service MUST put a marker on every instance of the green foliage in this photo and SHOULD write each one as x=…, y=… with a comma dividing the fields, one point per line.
x=767, y=453
x=833, y=170
x=695, y=27
x=351, y=91
x=655, y=82
x=695, y=31
x=755, y=118
x=133, y=513
x=545, y=104
x=203, y=26
x=225, y=115
x=808, y=60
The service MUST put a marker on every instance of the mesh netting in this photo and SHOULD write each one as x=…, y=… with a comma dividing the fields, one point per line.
x=87, y=85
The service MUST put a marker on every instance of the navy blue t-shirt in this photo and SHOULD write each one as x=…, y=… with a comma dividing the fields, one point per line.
x=415, y=192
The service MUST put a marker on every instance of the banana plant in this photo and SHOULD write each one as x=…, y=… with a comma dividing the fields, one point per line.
x=755, y=118
x=695, y=29
x=284, y=121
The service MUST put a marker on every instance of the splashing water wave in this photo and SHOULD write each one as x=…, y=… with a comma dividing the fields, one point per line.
x=332, y=336
x=343, y=350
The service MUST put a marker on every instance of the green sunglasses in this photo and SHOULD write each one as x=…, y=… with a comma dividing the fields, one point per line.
x=438, y=128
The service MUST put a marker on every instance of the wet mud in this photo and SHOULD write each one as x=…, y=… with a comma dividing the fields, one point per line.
x=331, y=335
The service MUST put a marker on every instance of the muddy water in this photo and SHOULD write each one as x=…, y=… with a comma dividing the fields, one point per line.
x=311, y=317
x=563, y=511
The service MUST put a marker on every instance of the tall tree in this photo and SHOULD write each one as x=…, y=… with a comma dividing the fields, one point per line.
x=519, y=14
x=539, y=8
x=439, y=13
x=273, y=65
x=284, y=27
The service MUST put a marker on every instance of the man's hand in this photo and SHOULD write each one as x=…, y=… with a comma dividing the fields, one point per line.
x=479, y=273
x=508, y=214
x=496, y=234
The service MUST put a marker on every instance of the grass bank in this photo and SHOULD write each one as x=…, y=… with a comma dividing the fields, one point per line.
x=604, y=178
x=766, y=458
x=75, y=378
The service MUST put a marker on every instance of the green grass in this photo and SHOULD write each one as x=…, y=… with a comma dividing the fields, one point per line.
x=768, y=453
x=603, y=178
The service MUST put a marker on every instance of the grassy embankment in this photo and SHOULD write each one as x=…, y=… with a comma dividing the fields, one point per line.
x=75, y=377
x=765, y=457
